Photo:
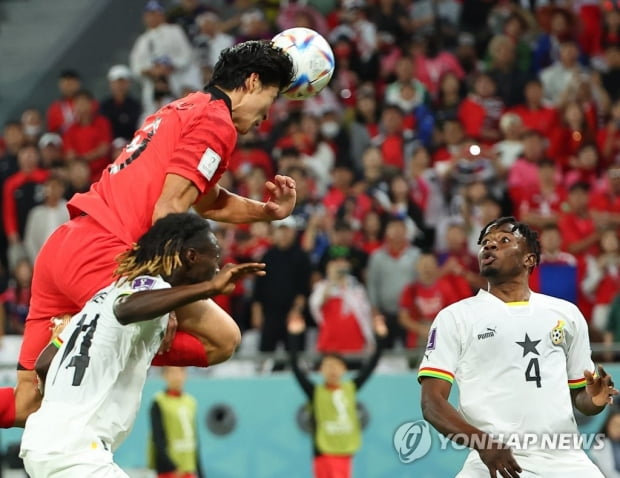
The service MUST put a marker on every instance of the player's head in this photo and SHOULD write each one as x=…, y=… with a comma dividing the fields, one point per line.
x=333, y=367
x=508, y=248
x=253, y=73
x=180, y=247
x=174, y=377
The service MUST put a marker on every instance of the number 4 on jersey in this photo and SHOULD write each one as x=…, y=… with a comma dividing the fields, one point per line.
x=532, y=372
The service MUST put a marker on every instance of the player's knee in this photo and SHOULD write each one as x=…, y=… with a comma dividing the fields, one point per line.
x=229, y=338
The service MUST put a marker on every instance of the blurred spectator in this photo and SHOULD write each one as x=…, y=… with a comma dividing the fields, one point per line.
x=162, y=54
x=610, y=36
x=431, y=62
x=282, y=293
x=396, y=260
x=481, y=110
x=523, y=176
x=602, y=278
x=608, y=137
x=60, y=114
x=534, y=114
x=605, y=200
x=610, y=77
x=90, y=137
x=368, y=238
x=339, y=305
x=51, y=149
x=305, y=205
x=516, y=28
x=79, y=178
x=253, y=26
x=248, y=154
x=557, y=273
x=174, y=451
x=580, y=235
x=547, y=48
x=209, y=42
x=426, y=15
x=395, y=139
x=337, y=432
x=575, y=129
x=22, y=191
x=542, y=207
x=12, y=140
x=510, y=148
x=121, y=108
x=185, y=14
x=421, y=301
x=392, y=23
x=557, y=77
x=607, y=457
x=15, y=299
x=467, y=55
x=45, y=218
x=449, y=96
x=509, y=78
x=365, y=125
x=341, y=242
x=32, y=125
x=426, y=190
x=612, y=332
x=584, y=167
x=342, y=190
x=451, y=142
x=457, y=260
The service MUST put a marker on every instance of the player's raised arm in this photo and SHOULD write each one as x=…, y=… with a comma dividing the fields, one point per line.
x=221, y=205
x=147, y=305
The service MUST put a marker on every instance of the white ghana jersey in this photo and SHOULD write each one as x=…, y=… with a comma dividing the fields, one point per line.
x=94, y=383
x=513, y=362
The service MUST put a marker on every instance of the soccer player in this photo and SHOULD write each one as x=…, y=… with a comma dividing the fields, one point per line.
x=521, y=361
x=94, y=382
x=173, y=163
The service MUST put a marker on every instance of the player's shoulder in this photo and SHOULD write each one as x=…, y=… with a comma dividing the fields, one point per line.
x=553, y=302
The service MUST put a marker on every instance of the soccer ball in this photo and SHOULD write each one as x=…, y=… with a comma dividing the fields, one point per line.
x=313, y=60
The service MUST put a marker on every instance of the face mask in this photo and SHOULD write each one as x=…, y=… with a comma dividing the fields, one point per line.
x=32, y=130
x=330, y=129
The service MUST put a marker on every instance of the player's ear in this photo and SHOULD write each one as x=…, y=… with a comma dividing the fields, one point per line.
x=529, y=261
x=252, y=83
x=190, y=255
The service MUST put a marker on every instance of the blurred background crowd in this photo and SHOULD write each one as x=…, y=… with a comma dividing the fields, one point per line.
x=441, y=116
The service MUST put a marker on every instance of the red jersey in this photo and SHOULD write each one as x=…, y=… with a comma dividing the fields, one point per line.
x=543, y=119
x=83, y=138
x=605, y=202
x=192, y=137
x=424, y=302
x=340, y=331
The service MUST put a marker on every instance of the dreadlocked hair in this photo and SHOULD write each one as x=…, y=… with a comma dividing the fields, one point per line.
x=531, y=236
x=158, y=251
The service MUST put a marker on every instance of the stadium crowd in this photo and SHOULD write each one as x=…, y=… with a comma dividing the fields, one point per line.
x=441, y=116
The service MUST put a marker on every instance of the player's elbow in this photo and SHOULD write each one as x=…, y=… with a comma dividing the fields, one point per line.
x=225, y=346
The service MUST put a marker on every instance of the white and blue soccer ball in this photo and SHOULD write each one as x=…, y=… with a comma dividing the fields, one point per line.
x=313, y=60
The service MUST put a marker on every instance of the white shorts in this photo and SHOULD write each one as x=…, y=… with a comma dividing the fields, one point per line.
x=93, y=464
x=551, y=464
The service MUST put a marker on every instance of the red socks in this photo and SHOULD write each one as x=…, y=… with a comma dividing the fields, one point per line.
x=186, y=351
x=7, y=407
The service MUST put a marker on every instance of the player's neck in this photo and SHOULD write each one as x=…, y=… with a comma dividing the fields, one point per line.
x=515, y=290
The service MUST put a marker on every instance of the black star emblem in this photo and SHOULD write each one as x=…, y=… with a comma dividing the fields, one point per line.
x=529, y=345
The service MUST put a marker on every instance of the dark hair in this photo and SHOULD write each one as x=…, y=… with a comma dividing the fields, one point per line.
x=158, y=251
x=531, y=236
x=69, y=74
x=85, y=94
x=579, y=186
x=235, y=64
x=334, y=355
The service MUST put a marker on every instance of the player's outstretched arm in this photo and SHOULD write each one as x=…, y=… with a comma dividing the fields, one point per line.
x=598, y=392
x=150, y=304
x=221, y=205
x=446, y=419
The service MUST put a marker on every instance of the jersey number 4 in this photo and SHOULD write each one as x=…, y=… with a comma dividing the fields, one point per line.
x=532, y=372
x=81, y=359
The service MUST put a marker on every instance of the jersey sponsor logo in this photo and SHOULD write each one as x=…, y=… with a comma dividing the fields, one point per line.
x=143, y=283
x=432, y=340
x=558, y=336
x=487, y=334
x=209, y=163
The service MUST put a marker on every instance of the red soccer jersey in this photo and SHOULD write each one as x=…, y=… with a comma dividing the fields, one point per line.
x=542, y=120
x=192, y=137
x=605, y=202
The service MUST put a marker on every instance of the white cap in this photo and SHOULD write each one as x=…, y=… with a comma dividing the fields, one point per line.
x=50, y=138
x=288, y=221
x=119, y=72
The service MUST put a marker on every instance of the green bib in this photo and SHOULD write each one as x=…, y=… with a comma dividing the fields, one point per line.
x=178, y=416
x=338, y=430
